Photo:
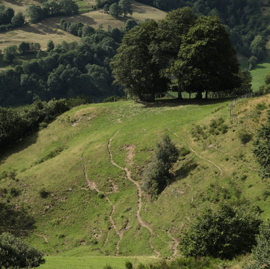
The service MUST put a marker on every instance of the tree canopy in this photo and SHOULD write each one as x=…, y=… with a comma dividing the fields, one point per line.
x=190, y=53
x=133, y=67
x=224, y=234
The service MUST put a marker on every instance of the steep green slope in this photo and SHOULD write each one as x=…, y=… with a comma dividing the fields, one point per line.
x=80, y=178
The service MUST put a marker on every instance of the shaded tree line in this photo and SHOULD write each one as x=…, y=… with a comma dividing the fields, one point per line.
x=115, y=7
x=243, y=19
x=18, y=123
x=9, y=53
x=50, y=9
x=68, y=70
x=182, y=52
x=8, y=19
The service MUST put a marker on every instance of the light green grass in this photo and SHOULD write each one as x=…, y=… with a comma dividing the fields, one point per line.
x=259, y=73
x=97, y=262
x=76, y=221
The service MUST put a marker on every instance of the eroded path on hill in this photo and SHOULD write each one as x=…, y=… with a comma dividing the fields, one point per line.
x=220, y=171
x=139, y=192
x=92, y=185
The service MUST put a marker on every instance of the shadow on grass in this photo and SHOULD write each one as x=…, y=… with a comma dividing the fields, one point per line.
x=177, y=102
x=14, y=2
x=15, y=221
x=184, y=171
x=27, y=142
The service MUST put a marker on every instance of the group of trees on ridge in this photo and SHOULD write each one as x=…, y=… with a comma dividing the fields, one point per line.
x=243, y=20
x=183, y=52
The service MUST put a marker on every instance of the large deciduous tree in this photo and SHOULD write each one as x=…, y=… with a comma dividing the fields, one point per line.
x=15, y=253
x=133, y=67
x=222, y=234
x=194, y=53
x=125, y=6
x=206, y=61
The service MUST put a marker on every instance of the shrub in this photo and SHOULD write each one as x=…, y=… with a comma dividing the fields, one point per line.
x=244, y=135
x=262, y=148
x=157, y=175
x=261, y=251
x=224, y=234
x=15, y=253
x=224, y=128
x=129, y=265
x=43, y=193
x=261, y=106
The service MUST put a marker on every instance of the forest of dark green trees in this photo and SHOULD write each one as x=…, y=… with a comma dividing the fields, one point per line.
x=68, y=70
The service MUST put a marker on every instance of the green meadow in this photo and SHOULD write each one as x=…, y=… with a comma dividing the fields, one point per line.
x=85, y=208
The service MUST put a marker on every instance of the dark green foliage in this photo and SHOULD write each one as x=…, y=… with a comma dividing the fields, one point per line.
x=261, y=251
x=262, y=148
x=9, y=53
x=50, y=45
x=157, y=175
x=133, y=67
x=207, y=51
x=24, y=47
x=15, y=253
x=43, y=193
x=222, y=234
x=261, y=106
x=244, y=135
x=16, y=124
x=51, y=8
x=112, y=99
x=114, y=10
x=128, y=265
x=125, y=6
x=17, y=20
x=244, y=27
x=68, y=71
x=130, y=24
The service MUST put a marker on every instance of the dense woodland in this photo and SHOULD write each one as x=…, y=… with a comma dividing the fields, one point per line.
x=68, y=70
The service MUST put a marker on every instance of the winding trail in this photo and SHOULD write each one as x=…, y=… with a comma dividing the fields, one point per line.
x=92, y=185
x=176, y=243
x=220, y=171
x=139, y=191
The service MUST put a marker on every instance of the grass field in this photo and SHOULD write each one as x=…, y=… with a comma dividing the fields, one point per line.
x=95, y=262
x=259, y=73
x=91, y=206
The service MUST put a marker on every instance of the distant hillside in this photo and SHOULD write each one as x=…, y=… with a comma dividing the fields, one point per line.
x=79, y=180
x=49, y=28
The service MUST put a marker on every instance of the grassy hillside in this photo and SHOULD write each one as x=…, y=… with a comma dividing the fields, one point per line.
x=49, y=28
x=80, y=178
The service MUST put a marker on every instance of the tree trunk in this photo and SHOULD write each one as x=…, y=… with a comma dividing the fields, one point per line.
x=179, y=94
x=206, y=95
x=199, y=95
